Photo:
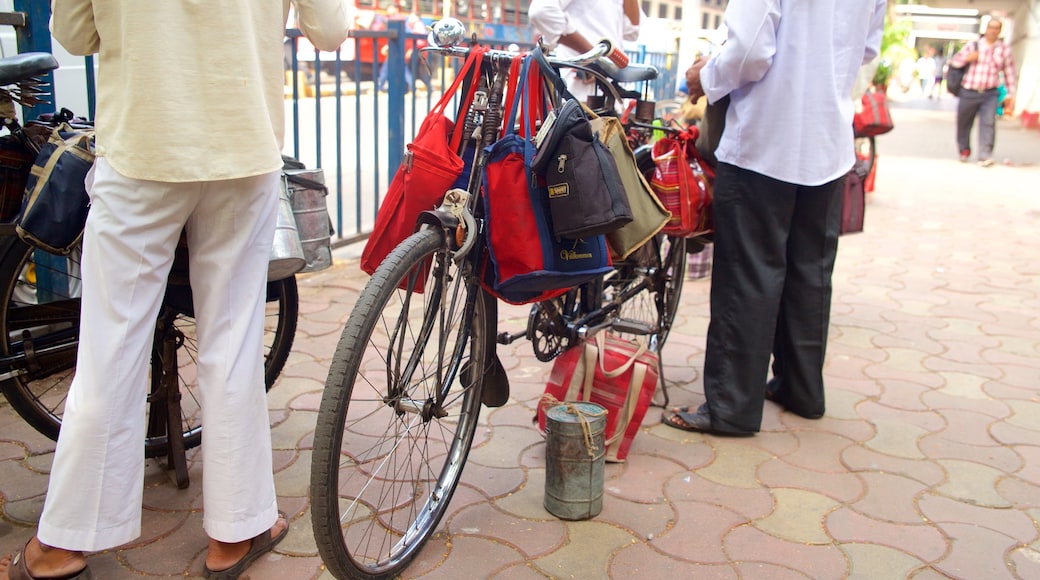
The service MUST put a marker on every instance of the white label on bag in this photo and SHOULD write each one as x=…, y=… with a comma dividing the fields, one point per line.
x=543, y=131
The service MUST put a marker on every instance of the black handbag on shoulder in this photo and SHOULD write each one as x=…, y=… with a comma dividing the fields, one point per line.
x=955, y=78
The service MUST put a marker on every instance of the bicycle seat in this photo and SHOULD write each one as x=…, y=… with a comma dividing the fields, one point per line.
x=633, y=73
x=25, y=66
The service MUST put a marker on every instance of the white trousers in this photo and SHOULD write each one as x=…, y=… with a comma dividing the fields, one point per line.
x=97, y=478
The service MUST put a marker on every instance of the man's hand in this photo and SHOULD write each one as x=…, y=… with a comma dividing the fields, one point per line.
x=693, y=79
x=1009, y=106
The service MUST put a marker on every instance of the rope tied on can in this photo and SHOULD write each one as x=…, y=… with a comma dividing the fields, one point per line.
x=548, y=401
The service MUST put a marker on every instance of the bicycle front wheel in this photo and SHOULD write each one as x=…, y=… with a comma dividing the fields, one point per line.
x=399, y=410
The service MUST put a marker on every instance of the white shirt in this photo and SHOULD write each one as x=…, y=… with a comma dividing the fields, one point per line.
x=789, y=67
x=191, y=91
x=593, y=19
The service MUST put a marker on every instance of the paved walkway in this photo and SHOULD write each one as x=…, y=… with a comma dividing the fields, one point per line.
x=927, y=464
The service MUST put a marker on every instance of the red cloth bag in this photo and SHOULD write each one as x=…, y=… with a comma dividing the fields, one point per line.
x=681, y=185
x=617, y=374
x=874, y=119
x=429, y=169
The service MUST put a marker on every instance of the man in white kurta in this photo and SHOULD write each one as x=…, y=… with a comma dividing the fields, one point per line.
x=189, y=129
x=572, y=26
x=788, y=67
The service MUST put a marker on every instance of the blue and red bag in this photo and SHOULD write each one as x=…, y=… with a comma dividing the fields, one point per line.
x=528, y=263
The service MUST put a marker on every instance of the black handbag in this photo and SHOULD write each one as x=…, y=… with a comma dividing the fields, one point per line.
x=56, y=201
x=955, y=78
x=586, y=194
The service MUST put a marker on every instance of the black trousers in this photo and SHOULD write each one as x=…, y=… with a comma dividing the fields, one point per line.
x=775, y=245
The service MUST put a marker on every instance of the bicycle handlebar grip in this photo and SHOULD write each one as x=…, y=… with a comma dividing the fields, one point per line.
x=617, y=56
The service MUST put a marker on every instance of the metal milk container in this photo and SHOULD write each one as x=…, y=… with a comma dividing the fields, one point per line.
x=574, y=460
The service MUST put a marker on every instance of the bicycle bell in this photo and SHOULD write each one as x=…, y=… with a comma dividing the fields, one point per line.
x=447, y=32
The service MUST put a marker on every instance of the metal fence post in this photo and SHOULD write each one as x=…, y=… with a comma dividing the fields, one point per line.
x=395, y=97
x=35, y=36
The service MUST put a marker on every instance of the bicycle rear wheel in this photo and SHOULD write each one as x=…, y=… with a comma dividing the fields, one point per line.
x=399, y=410
x=39, y=332
x=177, y=322
x=648, y=285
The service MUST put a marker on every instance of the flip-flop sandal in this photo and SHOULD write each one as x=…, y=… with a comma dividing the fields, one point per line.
x=682, y=409
x=19, y=570
x=682, y=418
x=259, y=546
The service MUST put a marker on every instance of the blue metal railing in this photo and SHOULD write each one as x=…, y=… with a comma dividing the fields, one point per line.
x=331, y=95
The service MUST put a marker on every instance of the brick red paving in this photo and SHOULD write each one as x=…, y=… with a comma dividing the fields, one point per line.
x=927, y=464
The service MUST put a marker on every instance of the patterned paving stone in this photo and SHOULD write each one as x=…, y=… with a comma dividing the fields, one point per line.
x=589, y=549
x=903, y=395
x=287, y=434
x=173, y=556
x=938, y=399
x=842, y=486
x=748, y=544
x=937, y=446
x=890, y=498
x=922, y=541
x=798, y=516
x=972, y=482
x=504, y=448
x=976, y=552
x=735, y=464
x=749, y=503
x=11, y=450
x=499, y=481
x=1025, y=562
x=1021, y=376
x=698, y=533
x=640, y=479
x=686, y=449
x=530, y=538
x=526, y=501
x=1030, y=470
x=295, y=479
x=943, y=510
x=644, y=521
x=1019, y=493
x=479, y=557
x=818, y=451
x=896, y=438
x=641, y=561
x=871, y=561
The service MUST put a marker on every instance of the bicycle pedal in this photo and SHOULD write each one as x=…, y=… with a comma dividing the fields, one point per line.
x=633, y=327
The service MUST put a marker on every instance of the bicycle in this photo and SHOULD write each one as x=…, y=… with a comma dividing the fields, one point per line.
x=40, y=306
x=399, y=412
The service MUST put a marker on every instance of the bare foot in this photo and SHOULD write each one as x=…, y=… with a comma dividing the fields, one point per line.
x=45, y=561
x=223, y=555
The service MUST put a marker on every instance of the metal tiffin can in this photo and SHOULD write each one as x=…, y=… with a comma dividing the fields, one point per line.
x=574, y=460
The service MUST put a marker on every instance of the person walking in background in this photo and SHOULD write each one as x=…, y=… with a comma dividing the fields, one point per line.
x=986, y=59
x=783, y=155
x=940, y=74
x=189, y=137
x=572, y=26
x=926, y=70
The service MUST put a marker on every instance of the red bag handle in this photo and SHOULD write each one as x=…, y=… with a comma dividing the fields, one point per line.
x=511, y=88
x=470, y=69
